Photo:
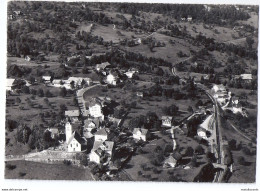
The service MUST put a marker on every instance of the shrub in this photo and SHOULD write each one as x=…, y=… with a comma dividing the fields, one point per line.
x=199, y=150
x=10, y=167
x=241, y=160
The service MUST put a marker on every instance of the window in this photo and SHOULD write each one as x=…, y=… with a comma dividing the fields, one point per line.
x=77, y=145
x=70, y=145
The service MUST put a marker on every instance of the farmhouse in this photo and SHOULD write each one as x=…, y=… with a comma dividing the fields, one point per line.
x=100, y=149
x=219, y=88
x=189, y=18
x=112, y=78
x=246, y=78
x=140, y=134
x=46, y=79
x=130, y=74
x=28, y=58
x=72, y=115
x=101, y=135
x=95, y=107
x=166, y=121
x=102, y=66
x=172, y=160
x=9, y=84
x=140, y=94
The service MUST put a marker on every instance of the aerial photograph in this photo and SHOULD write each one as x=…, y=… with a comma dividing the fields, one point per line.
x=120, y=91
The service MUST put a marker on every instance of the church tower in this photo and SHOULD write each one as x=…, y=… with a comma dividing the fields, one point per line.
x=68, y=130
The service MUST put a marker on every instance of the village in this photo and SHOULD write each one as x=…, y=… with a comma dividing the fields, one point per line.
x=128, y=94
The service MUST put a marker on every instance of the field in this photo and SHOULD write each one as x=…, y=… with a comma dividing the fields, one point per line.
x=41, y=171
x=163, y=174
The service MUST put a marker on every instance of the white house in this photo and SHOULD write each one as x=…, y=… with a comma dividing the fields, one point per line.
x=112, y=78
x=130, y=74
x=140, y=134
x=140, y=94
x=46, y=79
x=9, y=84
x=95, y=108
x=74, y=144
x=247, y=78
x=99, y=149
x=101, y=135
x=166, y=121
x=219, y=88
x=189, y=18
x=28, y=58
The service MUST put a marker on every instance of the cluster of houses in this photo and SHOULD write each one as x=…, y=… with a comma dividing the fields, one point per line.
x=189, y=18
x=244, y=78
x=113, y=76
x=78, y=82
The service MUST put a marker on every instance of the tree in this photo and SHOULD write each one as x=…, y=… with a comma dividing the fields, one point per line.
x=18, y=100
x=190, y=109
x=232, y=144
x=250, y=41
x=72, y=84
x=40, y=92
x=63, y=92
x=199, y=150
x=48, y=93
x=189, y=151
x=241, y=160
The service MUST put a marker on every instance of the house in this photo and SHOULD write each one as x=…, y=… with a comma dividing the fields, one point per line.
x=28, y=58
x=246, y=78
x=166, y=121
x=74, y=143
x=189, y=18
x=9, y=84
x=183, y=18
x=46, y=79
x=54, y=132
x=102, y=66
x=101, y=148
x=219, y=88
x=73, y=115
x=140, y=134
x=95, y=107
x=139, y=94
x=172, y=160
x=130, y=74
x=204, y=127
x=17, y=13
x=78, y=81
x=90, y=124
x=112, y=78
x=101, y=135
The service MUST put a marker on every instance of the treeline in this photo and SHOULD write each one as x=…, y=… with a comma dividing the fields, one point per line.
x=217, y=15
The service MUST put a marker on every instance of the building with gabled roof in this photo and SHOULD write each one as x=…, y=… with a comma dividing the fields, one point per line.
x=9, y=84
x=172, y=160
x=74, y=142
x=101, y=135
x=46, y=79
x=73, y=115
x=167, y=121
x=101, y=148
x=140, y=134
x=102, y=66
